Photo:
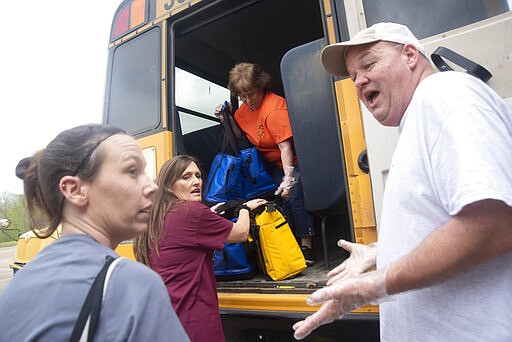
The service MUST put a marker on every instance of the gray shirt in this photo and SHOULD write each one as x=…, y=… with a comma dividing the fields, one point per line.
x=43, y=300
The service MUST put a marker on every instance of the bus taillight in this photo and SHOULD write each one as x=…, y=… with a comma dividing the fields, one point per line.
x=130, y=15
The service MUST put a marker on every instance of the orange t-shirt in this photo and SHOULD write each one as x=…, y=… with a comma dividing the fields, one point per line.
x=267, y=126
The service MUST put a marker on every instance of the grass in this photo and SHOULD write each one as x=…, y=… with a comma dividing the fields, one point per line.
x=8, y=236
x=8, y=243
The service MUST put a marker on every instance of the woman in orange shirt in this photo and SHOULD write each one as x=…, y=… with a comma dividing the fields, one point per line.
x=263, y=117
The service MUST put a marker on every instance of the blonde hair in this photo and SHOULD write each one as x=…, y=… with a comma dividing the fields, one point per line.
x=245, y=77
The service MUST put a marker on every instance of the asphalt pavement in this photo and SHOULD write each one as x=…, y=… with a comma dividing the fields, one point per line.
x=6, y=258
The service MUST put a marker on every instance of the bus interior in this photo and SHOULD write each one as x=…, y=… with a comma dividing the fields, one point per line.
x=284, y=38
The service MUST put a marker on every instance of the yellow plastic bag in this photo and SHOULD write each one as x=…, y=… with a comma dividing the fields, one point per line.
x=279, y=254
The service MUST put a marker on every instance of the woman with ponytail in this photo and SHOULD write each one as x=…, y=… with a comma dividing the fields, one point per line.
x=90, y=180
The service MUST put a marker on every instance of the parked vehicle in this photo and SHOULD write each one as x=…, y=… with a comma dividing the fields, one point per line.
x=29, y=245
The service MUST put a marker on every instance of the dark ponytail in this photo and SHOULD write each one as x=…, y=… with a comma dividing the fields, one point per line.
x=72, y=153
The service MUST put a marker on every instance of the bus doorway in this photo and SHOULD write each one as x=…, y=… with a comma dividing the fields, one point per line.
x=204, y=46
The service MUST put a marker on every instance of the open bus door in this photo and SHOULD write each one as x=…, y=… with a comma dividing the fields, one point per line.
x=464, y=26
x=206, y=44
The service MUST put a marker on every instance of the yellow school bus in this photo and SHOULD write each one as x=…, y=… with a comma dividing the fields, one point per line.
x=168, y=69
x=168, y=65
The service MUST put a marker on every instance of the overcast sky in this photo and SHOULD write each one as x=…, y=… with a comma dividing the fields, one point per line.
x=52, y=73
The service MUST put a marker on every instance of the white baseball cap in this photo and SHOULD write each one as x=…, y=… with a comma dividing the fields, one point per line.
x=333, y=56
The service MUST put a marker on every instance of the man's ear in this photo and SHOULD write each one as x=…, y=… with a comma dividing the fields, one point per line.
x=74, y=190
x=412, y=55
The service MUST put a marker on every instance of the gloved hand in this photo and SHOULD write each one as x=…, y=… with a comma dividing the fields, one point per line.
x=362, y=258
x=285, y=188
x=342, y=297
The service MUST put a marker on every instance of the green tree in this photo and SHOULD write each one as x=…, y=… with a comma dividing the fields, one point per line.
x=13, y=207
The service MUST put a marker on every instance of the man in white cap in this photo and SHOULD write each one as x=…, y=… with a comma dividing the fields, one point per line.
x=444, y=256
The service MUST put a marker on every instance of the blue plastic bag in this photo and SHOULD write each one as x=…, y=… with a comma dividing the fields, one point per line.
x=238, y=178
x=224, y=179
x=232, y=263
x=256, y=179
x=241, y=175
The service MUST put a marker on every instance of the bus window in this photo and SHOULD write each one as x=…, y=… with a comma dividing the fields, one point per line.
x=196, y=129
x=428, y=18
x=199, y=95
x=135, y=84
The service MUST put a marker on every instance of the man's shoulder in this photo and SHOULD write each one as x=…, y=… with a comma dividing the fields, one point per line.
x=453, y=80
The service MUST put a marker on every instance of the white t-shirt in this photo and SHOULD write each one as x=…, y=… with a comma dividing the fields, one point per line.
x=42, y=301
x=455, y=148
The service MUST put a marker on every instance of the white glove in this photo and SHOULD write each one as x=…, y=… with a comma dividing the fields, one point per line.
x=362, y=258
x=342, y=297
x=285, y=188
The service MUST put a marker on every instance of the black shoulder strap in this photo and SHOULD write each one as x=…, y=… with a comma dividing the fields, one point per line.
x=92, y=305
x=229, y=139
x=471, y=67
